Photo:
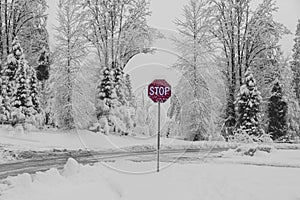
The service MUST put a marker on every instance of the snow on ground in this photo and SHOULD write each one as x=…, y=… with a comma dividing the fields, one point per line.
x=189, y=181
x=84, y=139
x=278, y=158
x=12, y=142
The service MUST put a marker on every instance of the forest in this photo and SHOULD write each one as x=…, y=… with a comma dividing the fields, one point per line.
x=242, y=87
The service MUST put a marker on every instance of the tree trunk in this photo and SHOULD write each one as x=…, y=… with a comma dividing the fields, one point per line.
x=6, y=28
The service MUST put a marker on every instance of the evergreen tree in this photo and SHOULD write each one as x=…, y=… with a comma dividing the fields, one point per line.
x=20, y=99
x=293, y=113
x=43, y=65
x=42, y=75
x=106, y=93
x=34, y=90
x=277, y=111
x=119, y=84
x=25, y=99
x=248, y=106
x=295, y=64
x=129, y=96
x=2, y=115
x=267, y=69
x=8, y=78
x=20, y=94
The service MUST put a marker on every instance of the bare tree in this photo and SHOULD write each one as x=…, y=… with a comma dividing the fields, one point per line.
x=70, y=50
x=195, y=43
x=118, y=29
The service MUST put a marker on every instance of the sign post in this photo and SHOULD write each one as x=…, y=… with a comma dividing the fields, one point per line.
x=158, y=136
x=159, y=91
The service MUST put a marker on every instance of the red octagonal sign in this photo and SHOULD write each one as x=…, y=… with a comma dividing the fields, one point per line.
x=159, y=90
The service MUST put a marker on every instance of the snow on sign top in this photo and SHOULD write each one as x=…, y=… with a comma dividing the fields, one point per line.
x=159, y=90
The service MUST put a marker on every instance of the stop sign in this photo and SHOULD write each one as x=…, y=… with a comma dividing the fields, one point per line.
x=159, y=90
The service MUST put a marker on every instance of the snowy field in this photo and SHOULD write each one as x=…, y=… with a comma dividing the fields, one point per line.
x=189, y=181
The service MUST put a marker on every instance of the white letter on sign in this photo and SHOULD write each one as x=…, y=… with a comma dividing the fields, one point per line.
x=151, y=91
x=156, y=91
x=161, y=91
x=167, y=90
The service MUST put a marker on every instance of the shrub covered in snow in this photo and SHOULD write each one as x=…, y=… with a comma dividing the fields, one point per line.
x=248, y=106
x=251, y=149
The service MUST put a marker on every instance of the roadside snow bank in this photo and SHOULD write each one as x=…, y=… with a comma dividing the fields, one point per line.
x=261, y=155
x=6, y=155
x=74, y=182
x=249, y=150
x=177, y=182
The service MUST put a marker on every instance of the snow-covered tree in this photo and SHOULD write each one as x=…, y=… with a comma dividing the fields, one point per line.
x=119, y=84
x=33, y=34
x=145, y=116
x=293, y=113
x=105, y=93
x=129, y=96
x=119, y=31
x=248, y=106
x=2, y=114
x=20, y=94
x=270, y=66
x=195, y=45
x=244, y=33
x=42, y=75
x=193, y=115
x=8, y=79
x=277, y=112
x=21, y=101
x=295, y=64
x=25, y=19
x=69, y=52
x=35, y=93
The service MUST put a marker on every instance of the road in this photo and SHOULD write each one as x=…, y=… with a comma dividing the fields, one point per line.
x=58, y=160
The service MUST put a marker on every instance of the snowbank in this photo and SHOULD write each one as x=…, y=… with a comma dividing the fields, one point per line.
x=190, y=181
x=261, y=155
x=6, y=155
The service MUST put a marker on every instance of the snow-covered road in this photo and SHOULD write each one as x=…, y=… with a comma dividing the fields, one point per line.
x=42, y=162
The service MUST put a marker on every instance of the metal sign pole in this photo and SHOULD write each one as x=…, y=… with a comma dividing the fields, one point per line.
x=159, y=91
x=158, y=137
